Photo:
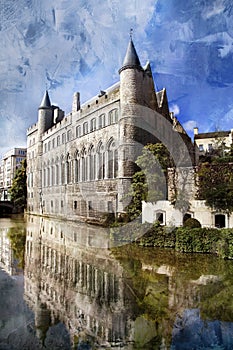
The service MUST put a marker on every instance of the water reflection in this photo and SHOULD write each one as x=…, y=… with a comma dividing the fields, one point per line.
x=12, y=242
x=85, y=295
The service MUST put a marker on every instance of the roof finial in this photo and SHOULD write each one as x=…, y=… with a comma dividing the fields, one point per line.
x=131, y=33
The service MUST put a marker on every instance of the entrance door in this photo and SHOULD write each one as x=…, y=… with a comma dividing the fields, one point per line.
x=220, y=220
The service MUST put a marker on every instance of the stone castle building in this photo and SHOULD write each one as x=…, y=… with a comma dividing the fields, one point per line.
x=80, y=165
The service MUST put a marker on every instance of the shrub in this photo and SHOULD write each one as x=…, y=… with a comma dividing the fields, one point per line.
x=192, y=223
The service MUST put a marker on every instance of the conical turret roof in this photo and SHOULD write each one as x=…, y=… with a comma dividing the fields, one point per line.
x=131, y=58
x=45, y=103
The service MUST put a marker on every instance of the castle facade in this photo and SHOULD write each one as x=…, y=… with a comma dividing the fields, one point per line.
x=80, y=165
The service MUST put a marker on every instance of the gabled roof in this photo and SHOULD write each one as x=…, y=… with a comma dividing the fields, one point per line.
x=45, y=103
x=131, y=59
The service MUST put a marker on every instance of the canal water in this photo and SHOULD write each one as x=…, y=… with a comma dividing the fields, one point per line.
x=65, y=285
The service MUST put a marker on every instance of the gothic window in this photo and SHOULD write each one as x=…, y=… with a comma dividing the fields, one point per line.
x=49, y=144
x=83, y=165
x=58, y=140
x=100, y=161
x=92, y=163
x=69, y=135
x=63, y=138
x=113, y=116
x=45, y=147
x=53, y=143
x=112, y=160
x=68, y=169
x=62, y=171
x=52, y=173
x=101, y=121
x=77, y=167
x=78, y=131
x=48, y=174
x=93, y=124
x=44, y=176
x=57, y=174
x=85, y=128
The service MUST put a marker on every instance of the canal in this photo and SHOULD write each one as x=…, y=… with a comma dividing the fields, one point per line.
x=64, y=285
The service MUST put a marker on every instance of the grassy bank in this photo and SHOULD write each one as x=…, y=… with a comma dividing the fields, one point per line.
x=182, y=239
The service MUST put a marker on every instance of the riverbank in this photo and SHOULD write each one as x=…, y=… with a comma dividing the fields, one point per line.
x=183, y=239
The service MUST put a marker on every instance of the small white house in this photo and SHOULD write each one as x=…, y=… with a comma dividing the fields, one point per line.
x=167, y=214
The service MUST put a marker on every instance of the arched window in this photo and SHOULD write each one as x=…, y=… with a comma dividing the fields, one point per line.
x=101, y=123
x=44, y=175
x=92, y=163
x=69, y=135
x=85, y=128
x=48, y=174
x=113, y=116
x=83, y=165
x=93, y=124
x=77, y=167
x=112, y=160
x=57, y=172
x=62, y=170
x=78, y=131
x=100, y=161
x=52, y=173
x=68, y=169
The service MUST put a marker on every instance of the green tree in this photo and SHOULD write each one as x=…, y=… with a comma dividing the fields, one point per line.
x=149, y=183
x=215, y=185
x=18, y=191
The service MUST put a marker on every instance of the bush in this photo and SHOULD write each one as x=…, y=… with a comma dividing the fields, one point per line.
x=192, y=223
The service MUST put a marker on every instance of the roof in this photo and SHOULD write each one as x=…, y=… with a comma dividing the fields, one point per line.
x=212, y=135
x=45, y=103
x=131, y=59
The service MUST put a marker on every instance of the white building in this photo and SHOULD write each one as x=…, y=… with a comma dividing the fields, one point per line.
x=10, y=162
x=208, y=141
x=169, y=215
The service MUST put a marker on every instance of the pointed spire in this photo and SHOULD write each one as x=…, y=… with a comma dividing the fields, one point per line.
x=131, y=58
x=45, y=103
x=147, y=69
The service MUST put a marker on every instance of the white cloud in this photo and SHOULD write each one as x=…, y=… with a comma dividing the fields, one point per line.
x=175, y=109
x=216, y=8
x=189, y=125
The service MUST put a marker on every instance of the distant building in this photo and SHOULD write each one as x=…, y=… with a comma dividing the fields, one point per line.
x=80, y=166
x=207, y=142
x=10, y=162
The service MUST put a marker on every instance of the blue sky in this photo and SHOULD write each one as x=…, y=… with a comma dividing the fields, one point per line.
x=77, y=45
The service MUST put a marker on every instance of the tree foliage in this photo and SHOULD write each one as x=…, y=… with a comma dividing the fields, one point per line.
x=149, y=183
x=18, y=191
x=215, y=185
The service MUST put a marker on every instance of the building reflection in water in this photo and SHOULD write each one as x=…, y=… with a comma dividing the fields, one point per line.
x=123, y=297
x=69, y=280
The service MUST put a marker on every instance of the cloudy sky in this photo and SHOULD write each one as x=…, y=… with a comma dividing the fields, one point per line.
x=79, y=45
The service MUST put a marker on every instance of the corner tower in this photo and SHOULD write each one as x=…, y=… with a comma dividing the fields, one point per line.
x=45, y=114
x=137, y=102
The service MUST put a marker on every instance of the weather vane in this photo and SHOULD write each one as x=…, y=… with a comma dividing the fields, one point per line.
x=131, y=32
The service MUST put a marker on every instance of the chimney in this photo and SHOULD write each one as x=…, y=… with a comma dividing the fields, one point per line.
x=76, y=102
x=195, y=130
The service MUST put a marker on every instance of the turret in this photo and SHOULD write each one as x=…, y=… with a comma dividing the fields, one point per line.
x=137, y=98
x=45, y=114
x=137, y=85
